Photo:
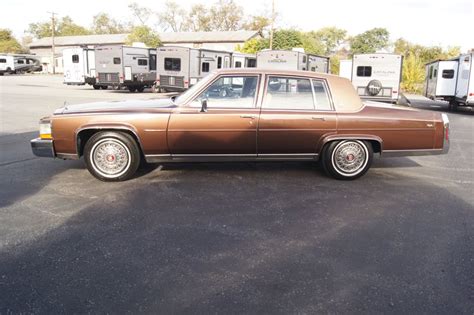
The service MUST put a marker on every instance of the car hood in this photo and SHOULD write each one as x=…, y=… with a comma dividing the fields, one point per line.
x=117, y=106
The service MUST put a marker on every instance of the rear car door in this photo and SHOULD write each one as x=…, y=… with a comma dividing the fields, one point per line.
x=227, y=128
x=296, y=113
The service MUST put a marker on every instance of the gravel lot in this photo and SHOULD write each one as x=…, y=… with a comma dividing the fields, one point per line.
x=229, y=238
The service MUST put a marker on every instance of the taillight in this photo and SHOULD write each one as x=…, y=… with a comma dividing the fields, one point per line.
x=446, y=134
x=471, y=94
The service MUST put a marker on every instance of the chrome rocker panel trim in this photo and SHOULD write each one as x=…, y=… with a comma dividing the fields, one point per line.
x=155, y=158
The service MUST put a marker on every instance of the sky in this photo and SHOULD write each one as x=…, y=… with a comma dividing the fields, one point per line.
x=428, y=22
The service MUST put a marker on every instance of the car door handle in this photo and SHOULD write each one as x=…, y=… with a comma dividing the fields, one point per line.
x=318, y=118
x=247, y=116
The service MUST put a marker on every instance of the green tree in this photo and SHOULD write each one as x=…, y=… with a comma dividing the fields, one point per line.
x=331, y=37
x=258, y=23
x=144, y=34
x=63, y=27
x=370, y=41
x=102, y=23
x=312, y=44
x=8, y=43
x=413, y=74
x=287, y=39
x=254, y=45
x=335, y=63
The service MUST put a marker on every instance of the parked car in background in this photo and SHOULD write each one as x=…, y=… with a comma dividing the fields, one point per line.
x=79, y=67
x=17, y=64
x=265, y=115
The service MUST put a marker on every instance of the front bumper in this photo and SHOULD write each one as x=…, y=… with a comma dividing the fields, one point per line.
x=42, y=148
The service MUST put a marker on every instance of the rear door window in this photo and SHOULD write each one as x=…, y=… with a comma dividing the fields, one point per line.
x=364, y=71
x=448, y=74
x=289, y=93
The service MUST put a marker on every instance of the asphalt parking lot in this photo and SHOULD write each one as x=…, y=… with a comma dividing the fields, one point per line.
x=229, y=238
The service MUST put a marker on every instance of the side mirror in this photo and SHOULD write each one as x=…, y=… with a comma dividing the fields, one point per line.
x=203, y=105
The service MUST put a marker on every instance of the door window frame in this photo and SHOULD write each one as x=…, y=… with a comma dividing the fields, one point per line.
x=324, y=81
x=255, y=97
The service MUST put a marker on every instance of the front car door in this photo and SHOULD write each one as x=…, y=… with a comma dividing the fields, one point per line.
x=229, y=126
x=296, y=113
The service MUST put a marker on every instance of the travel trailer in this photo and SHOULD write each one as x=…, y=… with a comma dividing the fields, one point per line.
x=465, y=82
x=18, y=64
x=178, y=68
x=125, y=66
x=79, y=67
x=377, y=76
x=345, y=69
x=440, y=80
x=292, y=60
x=241, y=60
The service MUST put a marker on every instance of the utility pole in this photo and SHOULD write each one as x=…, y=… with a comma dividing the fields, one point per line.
x=53, y=25
x=273, y=20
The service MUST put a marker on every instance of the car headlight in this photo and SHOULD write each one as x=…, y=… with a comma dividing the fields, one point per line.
x=45, y=129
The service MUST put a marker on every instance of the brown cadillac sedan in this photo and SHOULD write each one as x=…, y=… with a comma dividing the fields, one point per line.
x=243, y=114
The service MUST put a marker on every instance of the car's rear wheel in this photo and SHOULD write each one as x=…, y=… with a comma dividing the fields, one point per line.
x=112, y=156
x=347, y=159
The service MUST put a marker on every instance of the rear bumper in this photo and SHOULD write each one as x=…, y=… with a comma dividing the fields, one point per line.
x=42, y=148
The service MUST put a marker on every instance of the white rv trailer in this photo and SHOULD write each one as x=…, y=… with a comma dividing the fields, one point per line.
x=465, y=81
x=345, y=69
x=7, y=64
x=441, y=78
x=241, y=60
x=377, y=76
x=178, y=68
x=131, y=67
x=292, y=60
x=79, y=67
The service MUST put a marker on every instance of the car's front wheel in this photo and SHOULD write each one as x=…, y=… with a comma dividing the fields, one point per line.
x=347, y=159
x=112, y=156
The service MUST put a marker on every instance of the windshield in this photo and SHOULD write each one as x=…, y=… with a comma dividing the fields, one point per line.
x=196, y=87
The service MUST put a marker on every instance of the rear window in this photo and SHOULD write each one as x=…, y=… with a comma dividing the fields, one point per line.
x=117, y=61
x=364, y=71
x=448, y=74
x=142, y=62
x=3, y=60
x=173, y=64
x=75, y=58
x=321, y=95
x=205, y=67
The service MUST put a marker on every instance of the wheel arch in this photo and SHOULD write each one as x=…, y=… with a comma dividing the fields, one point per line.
x=84, y=133
x=375, y=141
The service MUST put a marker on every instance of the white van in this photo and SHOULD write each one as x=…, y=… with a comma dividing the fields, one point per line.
x=7, y=64
x=377, y=76
x=79, y=67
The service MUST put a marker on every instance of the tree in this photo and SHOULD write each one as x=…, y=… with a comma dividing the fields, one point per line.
x=413, y=74
x=173, y=17
x=226, y=16
x=198, y=19
x=102, y=23
x=8, y=43
x=144, y=34
x=312, y=44
x=254, y=45
x=258, y=23
x=141, y=13
x=370, y=41
x=287, y=39
x=63, y=27
x=331, y=37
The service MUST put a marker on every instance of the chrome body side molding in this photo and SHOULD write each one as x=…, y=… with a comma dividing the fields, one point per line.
x=156, y=158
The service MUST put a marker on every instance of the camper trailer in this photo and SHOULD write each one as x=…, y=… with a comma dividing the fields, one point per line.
x=241, y=60
x=178, y=68
x=440, y=79
x=465, y=82
x=292, y=60
x=7, y=64
x=79, y=67
x=345, y=69
x=377, y=76
x=125, y=66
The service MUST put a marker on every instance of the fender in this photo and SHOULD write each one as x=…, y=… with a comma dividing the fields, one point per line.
x=106, y=126
x=335, y=137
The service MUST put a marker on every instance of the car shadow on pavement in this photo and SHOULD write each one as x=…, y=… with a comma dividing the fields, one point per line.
x=227, y=239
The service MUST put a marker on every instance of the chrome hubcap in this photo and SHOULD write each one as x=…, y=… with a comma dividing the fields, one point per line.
x=349, y=157
x=111, y=158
